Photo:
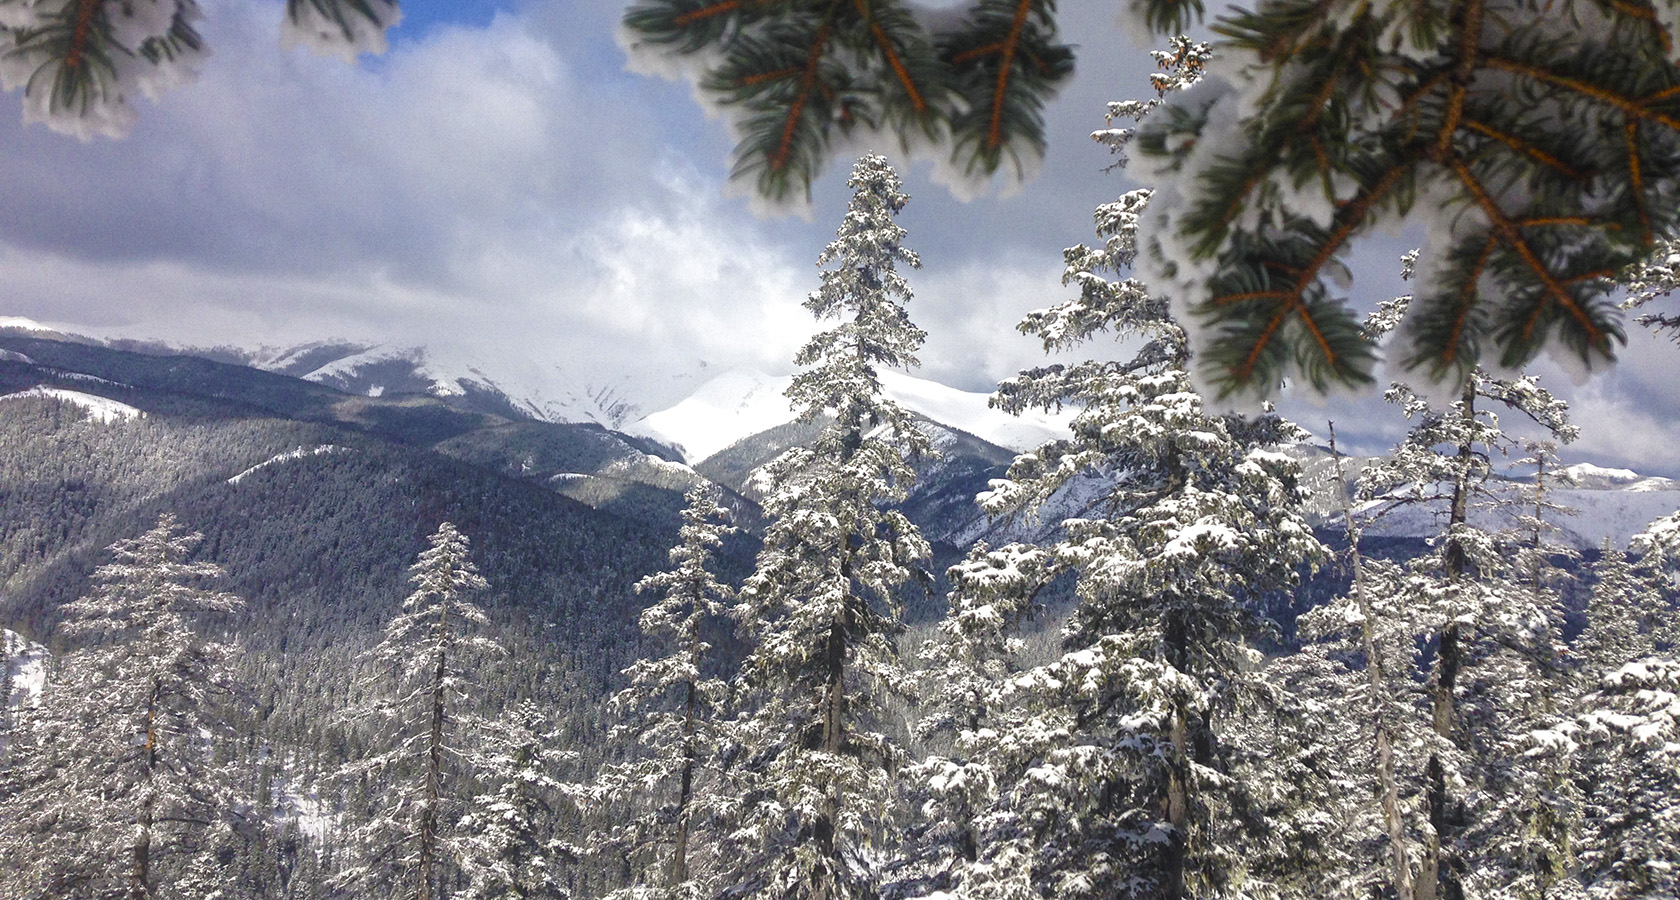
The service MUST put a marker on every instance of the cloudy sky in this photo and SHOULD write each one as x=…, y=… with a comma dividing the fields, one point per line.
x=500, y=188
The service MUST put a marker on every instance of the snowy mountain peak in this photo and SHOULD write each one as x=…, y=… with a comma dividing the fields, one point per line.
x=735, y=404
x=740, y=403
x=1590, y=477
x=540, y=390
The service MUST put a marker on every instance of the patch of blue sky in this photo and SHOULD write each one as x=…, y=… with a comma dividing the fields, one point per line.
x=420, y=17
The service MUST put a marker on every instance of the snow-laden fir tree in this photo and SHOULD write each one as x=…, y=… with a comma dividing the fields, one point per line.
x=1537, y=559
x=649, y=805
x=818, y=739
x=506, y=839
x=1626, y=611
x=1347, y=731
x=1624, y=740
x=115, y=787
x=80, y=63
x=1655, y=279
x=413, y=722
x=1481, y=604
x=959, y=834
x=1529, y=847
x=1115, y=771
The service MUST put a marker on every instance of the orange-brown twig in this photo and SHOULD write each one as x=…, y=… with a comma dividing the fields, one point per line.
x=807, y=81
x=977, y=52
x=1588, y=89
x=994, y=130
x=893, y=60
x=1523, y=147
x=706, y=12
x=82, y=33
x=1470, y=37
x=762, y=77
x=1467, y=299
x=1512, y=236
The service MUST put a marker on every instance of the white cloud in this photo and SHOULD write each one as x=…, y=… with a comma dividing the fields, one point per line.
x=511, y=194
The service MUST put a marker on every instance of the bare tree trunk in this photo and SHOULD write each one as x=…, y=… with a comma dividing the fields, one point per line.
x=141, y=888
x=1400, y=866
x=679, y=853
x=1449, y=659
x=1178, y=810
x=832, y=737
x=434, y=765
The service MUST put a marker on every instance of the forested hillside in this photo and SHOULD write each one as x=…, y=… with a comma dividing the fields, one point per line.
x=267, y=639
x=314, y=503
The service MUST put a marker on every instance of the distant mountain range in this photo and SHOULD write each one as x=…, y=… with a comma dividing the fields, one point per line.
x=699, y=413
x=724, y=424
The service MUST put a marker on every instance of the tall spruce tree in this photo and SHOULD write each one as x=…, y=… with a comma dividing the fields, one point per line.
x=413, y=720
x=652, y=802
x=506, y=838
x=115, y=786
x=1494, y=662
x=1349, y=734
x=960, y=835
x=1628, y=729
x=818, y=736
x=1116, y=775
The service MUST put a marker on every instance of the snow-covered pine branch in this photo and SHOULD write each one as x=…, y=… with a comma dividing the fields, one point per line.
x=81, y=63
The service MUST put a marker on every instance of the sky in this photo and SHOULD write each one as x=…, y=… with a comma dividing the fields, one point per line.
x=499, y=187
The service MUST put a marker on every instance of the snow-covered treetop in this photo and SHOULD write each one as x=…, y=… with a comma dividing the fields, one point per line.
x=149, y=588
x=445, y=569
x=435, y=617
x=1659, y=543
x=865, y=291
x=689, y=594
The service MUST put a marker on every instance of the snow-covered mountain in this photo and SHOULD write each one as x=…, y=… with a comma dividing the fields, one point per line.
x=1613, y=504
x=543, y=390
x=740, y=403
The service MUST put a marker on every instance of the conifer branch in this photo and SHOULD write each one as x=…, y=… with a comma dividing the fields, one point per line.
x=978, y=52
x=1512, y=236
x=976, y=89
x=1524, y=147
x=764, y=77
x=706, y=12
x=807, y=80
x=1637, y=108
x=81, y=33
x=1006, y=58
x=1636, y=179
x=1470, y=37
x=1466, y=302
x=894, y=61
